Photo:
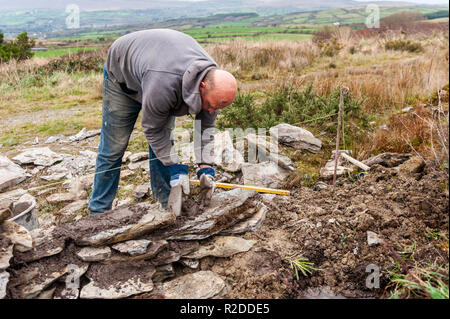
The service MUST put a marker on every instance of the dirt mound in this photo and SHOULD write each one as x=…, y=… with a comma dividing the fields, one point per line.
x=329, y=227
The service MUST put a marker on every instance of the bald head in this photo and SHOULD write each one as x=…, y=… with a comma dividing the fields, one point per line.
x=218, y=90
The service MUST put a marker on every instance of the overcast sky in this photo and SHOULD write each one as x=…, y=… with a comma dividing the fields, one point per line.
x=445, y=2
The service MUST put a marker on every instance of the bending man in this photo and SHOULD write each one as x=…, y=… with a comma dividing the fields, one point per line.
x=165, y=73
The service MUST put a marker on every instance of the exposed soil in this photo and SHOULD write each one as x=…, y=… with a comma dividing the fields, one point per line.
x=329, y=227
x=120, y=272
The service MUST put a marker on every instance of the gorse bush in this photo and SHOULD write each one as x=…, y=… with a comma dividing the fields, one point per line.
x=19, y=49
x=402, y=45
x=296, y=107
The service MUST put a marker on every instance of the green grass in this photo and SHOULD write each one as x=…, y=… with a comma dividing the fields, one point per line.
x=302, y=265
x=420, y=282
x=53, y=53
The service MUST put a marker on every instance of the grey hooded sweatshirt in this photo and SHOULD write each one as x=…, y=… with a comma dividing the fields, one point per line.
x=162, y=69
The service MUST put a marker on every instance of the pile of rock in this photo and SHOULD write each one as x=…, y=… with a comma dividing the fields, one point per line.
x=266, y=165
x=128, y=251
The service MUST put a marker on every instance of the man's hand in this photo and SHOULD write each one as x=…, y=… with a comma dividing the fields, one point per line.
x=207, y=185
x=179, y=182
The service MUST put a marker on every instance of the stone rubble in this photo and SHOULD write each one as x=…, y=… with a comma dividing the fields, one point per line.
x=127, y=251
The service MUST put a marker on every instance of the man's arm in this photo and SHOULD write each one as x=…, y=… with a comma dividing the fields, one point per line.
x=158, y=97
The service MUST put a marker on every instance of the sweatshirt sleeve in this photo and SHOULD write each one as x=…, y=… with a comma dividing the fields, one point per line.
x=205, y=124
x=159, y=96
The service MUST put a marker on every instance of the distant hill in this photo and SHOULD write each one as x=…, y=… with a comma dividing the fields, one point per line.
x=47, y=18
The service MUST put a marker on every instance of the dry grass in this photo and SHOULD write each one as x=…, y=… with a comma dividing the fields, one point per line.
x=263, y=59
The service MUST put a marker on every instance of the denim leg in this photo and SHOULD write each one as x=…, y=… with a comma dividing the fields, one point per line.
x=119, y=116
x=159, y=173
x=159, y=179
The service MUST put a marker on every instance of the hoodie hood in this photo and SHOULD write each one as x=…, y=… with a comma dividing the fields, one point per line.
x=194, y=74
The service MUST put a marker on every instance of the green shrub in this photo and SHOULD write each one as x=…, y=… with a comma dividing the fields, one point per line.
x=19, y=49
x=402, y=45
x=303, y=108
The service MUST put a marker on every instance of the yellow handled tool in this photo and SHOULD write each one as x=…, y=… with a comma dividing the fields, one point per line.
x=255, y=188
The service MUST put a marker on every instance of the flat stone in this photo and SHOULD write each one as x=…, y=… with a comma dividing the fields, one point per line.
x=223, y=246
x=83, y=134
x=53, y=139
x=131, y=282
x=267, y=174
x=154, y=249
x=117, y=225
x=198, y=285
x=13, y=195
x=69, y=212
x=138, y=157
x=145, y=165
x=225, y=209
x=42, y=156
x=141, y=191
x=78, y=183
x=133, y=247
x=251, y=224
x=125, y=173
x=19, y=236
x=61, y=198
x=10, y=174
x=94, y=253
x=295, y=137
x=4, y=279
x=373, y=239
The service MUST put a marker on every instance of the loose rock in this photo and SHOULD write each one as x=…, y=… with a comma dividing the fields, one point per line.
x=10, y=173
x=266, y=174
x=42, y=156
x=138, y=157
x=295, y=137
x=133, y=247
x=141, y=191
x=19, y=236
x=223, y=246
x=94, y=253
x=199, y=285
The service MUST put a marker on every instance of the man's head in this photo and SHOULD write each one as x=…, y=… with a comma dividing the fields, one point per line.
x=218, y=90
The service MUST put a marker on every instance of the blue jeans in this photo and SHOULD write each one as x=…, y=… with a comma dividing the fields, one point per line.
x=119, y=117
